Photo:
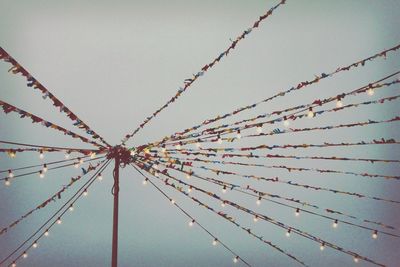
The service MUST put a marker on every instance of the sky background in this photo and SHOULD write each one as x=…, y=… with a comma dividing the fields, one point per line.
x=115, y=62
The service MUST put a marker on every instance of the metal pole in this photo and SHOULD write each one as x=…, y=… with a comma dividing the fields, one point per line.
x=114, y=260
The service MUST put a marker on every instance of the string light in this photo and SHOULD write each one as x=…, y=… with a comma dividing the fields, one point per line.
x=224, y=189
x=172, y=201
x=35, y=244
x=85, y=192
x=80, y=160
x=59, y=220
x=339, y=103
x=45, y=169
x=356, y=259
x=12, y=154
x=258, y=202
x=189, y=189
x=223, y=204
x=41, y=174
x=335, y=224
x=236, y=259
x=92, y=155
x=100, y=177
x=145, y=181
x=191, y=223
x=286, y=123
x=322, y=247
x=297, y=213
x=14, y=264
x=370, y=92
x=10, y=174
x=310, y=113
x=41, y=155
x=188, y=175
x=67, y=155
x=219, y=141
x=215, y=242
x=7, y=182
x=71, y=207
x=288, y=232
x=46, y=233
x=375, y=234
x=25, y=255
x=255, y=219
x=238, y=135
x=259, y=129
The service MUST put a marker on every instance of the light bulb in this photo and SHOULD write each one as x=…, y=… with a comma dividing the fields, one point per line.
x=46, y=233
x=41, y=174
x=258, y=202
x=356, y=259
x=223, y=204
x=144, y=182
x=286, y=123
x=310, y=113
x=189, y=189
x=12, y=154
x=188, y=175
x=45, y=169
x=215, y=242
x=80, y=160
x=41, y=155
x=322, y=247
x=219, y=141
x=236, y=259
x=339, y=103
x=10, y=174
x=59, y=220
x=297, y=213
x=191, y=223
x=25, y=255
x=370, y=92
x=76, y=165
x=288, y=233
x=85, y=192
x=13, y=264
x=375, y=234
x=255, y=219
x=35, y=245
x=100, y=177
x=172, y=201
x=259, y=129
x=71, y=207
x=92, y=155
x=7, y=182
x=67, y=155
x=238, y=135
x=335, y=224
x=224, y=189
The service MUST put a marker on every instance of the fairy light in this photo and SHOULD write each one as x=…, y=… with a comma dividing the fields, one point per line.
x=41, y=155
x=67, y=155
x=258, y=202
x=375, y=234
x=25, y=255
x=189, y=189
x=255, y=219
x=191, y=223
x=370, y=92
x=41, y=174
x=224, y=189
x=85, y=192
x=59, y=221
x=322, y=247
x=35, y=244
x=145, y=181
x=215, y=242
x=335, y=224
x=100, y=177
x=12, y=154
x=80, y=160
x=339, y=102
x=46, y=233
x=92, y=155
x=10, y=174
x=310, y=113
x=14, y=264
x=172, y=201
x=71, y=207
x=259, y=129
x=288, y=232
x=286, y=123
x=45, y=169
x=356, y=259
x=7, y=182
x=223, y=204
x=236, y=259
x=297, y=213
x=238, y=135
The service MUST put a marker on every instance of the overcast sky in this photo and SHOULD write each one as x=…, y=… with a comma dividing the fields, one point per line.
x=115, y=62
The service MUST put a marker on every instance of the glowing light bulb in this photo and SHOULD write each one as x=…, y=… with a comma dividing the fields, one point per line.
x=80, y=160
x=7, y=182
x=172, y=201
x=259, y=129
x=35, y=245
x=339, y=103
x=71, y=207
x=288, y=233
x=224, y=189
x=25, y=255
x=45, y=169
x=310, y=113
x=100, y=177
x=375, y=234
x=145, y=181
x=188, y=175
x=255, y=219
x=92, y=155
x=67, y=155
x=238, y=135
x=191, y=223
x=258, y=202
x=356, y=259
x=297, y=213
x=12, y=154
x=41, y=155
x=370, y=92
x=322, y=247
x=59, y=220
x=46, y=233
x=41, y=174
x=85, y=192
x=189, y=189
x=335, y=224
x=236, y=259
x=13, y=264
x=223, y=204
x=10, y=174
x=215, y=242
x=286, y=123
